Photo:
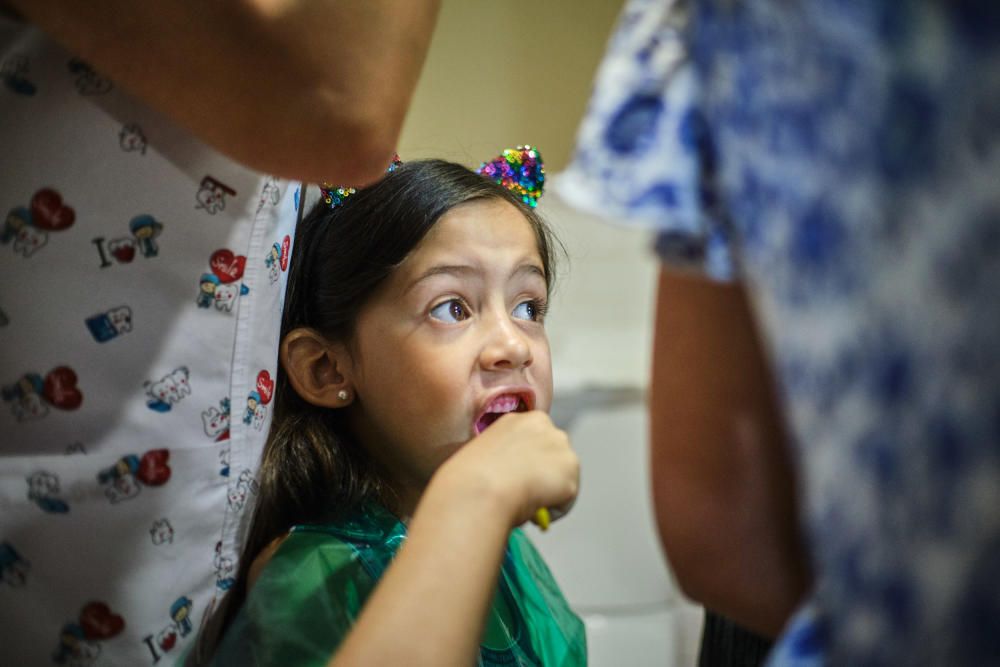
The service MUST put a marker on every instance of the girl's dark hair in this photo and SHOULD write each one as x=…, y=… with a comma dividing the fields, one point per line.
x=312, y=470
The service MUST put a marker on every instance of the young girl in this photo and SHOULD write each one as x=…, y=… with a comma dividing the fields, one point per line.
x=394, y=478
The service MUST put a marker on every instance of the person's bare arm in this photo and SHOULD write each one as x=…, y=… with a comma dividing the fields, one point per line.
x=430, y=607
x=723, y=483
x=315, y=90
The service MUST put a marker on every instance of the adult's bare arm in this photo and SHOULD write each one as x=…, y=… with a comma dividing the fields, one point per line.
x=315, y=90
x=723, y=483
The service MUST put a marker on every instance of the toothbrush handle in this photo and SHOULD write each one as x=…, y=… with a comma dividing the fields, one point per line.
x=542, y=518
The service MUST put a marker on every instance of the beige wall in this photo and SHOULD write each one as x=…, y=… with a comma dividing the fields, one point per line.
x=520, y=71
x=503, y=73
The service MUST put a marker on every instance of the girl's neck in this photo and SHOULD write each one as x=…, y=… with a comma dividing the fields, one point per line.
x=402, y=501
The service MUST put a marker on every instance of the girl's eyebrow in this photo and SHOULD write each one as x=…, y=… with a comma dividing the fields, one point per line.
x=530, y=268
x=457, y=270
x=466, y=271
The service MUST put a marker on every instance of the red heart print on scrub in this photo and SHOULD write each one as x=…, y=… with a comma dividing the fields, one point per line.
x=60, y=389
x=226, y=265
x=153, y=468
x=265, y=387
x=49, y=212
x=123, y=249
x=168, y=640
x=99, y=622
x=285, y=244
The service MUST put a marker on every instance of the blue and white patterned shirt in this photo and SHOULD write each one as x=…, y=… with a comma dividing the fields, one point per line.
x=842, y=160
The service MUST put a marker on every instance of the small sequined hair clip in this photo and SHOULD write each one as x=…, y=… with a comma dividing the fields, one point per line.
x=520, y=170
x=334, y=195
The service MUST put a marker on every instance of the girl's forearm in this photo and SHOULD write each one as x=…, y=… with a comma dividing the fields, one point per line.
x=430, y=607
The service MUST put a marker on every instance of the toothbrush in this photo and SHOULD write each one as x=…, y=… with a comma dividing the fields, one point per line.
x=542, y=518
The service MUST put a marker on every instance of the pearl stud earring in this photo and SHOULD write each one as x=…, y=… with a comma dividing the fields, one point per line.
x=342, y=394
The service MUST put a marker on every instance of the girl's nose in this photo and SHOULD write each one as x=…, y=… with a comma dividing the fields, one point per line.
x=507, y=346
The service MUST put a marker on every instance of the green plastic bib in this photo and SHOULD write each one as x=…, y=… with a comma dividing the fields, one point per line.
x=308, y=596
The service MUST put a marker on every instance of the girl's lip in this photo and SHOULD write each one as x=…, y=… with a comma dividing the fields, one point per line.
x=526, y=395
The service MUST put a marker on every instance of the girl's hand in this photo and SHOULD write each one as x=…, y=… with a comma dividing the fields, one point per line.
x=522, y=462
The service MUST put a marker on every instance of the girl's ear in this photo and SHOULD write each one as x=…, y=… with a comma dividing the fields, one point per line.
x=318, y=370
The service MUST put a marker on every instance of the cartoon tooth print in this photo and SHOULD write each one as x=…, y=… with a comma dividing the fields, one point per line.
x=273, y=263
x=220, y=286
x=224, y=569
x=31, y=395
x=180, y=376
x=255, y=412
x=277, y=259
x=180, y=625
x=110, y=324
x=162, y=532
x=216, y=421
x=122, y=480
x=88, y=81
x=168, y=390
x=245, y=486
x=13, y=568
x=27, y=227
x=270, y=194
x=43, y=489
x=225, y=297
x=132, y=139
x=79, y=640
x=29, y=240
x=25, y=397
x=14, y=72
x=212, y=194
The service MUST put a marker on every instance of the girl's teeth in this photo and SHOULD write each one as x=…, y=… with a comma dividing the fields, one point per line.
x=503, y=404
x=498, y=406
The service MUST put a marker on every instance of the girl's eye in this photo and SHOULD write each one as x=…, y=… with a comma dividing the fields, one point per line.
x=450, y=311
x=529, y=310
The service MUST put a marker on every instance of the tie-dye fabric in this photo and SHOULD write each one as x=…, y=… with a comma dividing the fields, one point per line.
x=842, y=160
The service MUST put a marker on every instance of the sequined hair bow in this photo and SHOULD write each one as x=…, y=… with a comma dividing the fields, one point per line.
x=520, y=170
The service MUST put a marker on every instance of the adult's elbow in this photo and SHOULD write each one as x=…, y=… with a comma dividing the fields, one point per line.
x=693, y=564
x=352, y=149
x=718, y=574
x=322, y=140
x=366, y=158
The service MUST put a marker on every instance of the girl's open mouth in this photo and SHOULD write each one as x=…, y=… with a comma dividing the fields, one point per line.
x=498, y=407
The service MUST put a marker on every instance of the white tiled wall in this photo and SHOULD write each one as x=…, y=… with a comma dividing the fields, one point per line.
x=605, y=554
x=600, y=325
